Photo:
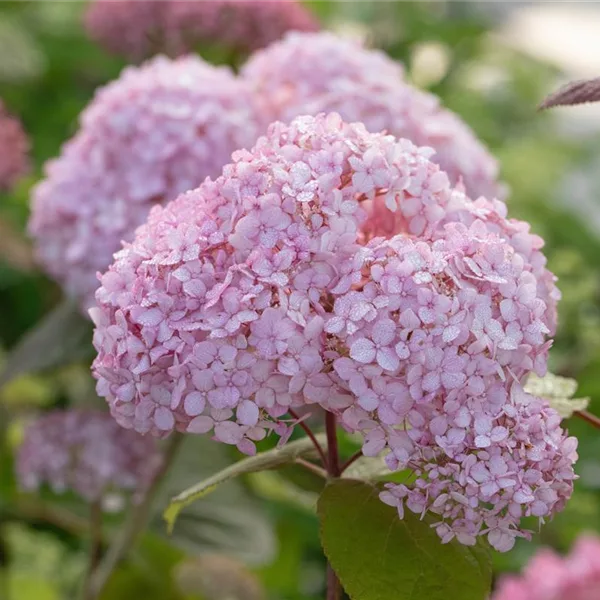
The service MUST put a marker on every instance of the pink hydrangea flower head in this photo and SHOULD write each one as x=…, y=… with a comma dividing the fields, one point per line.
x=157, y=131
x=14, y=150
x=138, y=29
x=280, y=284
x=131, y=28
x=549, y=576
x=309, y=73
x=217, y=310
x=86, y=452
x=243, y=25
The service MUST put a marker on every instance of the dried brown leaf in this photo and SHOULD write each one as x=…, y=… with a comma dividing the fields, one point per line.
x=575, y=92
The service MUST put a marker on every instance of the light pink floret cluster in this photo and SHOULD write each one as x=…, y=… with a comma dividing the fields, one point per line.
x=138, y=29
x=154, y=133
x=14, y=150
x=549, y=576
x=310, y=73
x=336, y=267
x=85, y=452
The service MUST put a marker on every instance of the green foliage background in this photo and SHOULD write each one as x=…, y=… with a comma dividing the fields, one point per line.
x=48, y=73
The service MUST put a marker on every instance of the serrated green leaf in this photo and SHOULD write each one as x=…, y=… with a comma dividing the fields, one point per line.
x=559, y=392
x=377, y=556
x=266, y=460
x=62, y=337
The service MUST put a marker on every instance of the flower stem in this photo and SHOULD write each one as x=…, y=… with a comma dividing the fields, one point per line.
x=311, y=436
x=589, y=417
x=333, y=458
x=135, y=524
x=334, y=589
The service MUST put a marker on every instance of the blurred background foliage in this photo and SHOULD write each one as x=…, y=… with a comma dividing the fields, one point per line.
x=260, y=534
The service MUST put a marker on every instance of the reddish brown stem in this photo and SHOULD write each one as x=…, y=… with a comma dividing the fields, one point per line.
x=334, y=589
x=589, y=417
x=312, y=438
x=333, y=459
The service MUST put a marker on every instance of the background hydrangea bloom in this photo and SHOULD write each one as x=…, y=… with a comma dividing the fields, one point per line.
x=549, y=576
x=157, y=131
x=244, y=25
x=86, y=452
x=131, y=28
x=14, y=148
x=272, y=287
x=140, y=28
x=309, y=73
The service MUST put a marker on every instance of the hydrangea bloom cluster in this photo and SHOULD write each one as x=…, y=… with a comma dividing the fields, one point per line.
x=333, y=266
x=552, y=577
x=86, y=452
x=243, y=25
x=138, y=29
x=293, y=78
x=133, y=28
x=157, y=131
x=14, y=150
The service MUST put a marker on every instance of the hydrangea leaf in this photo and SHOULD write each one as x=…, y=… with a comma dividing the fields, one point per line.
x=229, y=520
x=377, y=556
x=559, y=392
x=266, y=460
x=62, y=337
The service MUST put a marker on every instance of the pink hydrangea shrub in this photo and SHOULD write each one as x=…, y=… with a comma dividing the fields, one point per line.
x=85, y=452
x=14, y=150
x=284, y=283
x=157, y=131
x=310, y=73
x=138, y=29
x=549, y=576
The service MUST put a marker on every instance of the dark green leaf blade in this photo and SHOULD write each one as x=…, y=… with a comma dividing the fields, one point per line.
x=377, y=556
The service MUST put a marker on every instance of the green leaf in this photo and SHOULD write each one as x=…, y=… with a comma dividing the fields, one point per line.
x=265, y=460
x=230, y=520
x=559, y=392
x=62, y=337
x=377, y=556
